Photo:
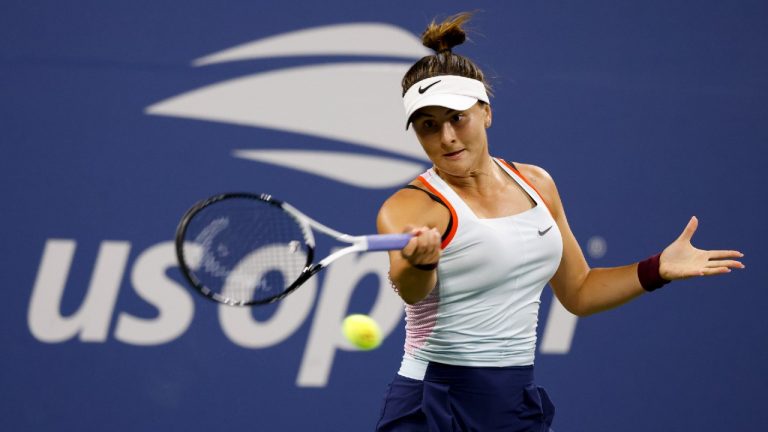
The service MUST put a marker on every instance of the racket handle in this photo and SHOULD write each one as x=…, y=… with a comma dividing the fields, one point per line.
x=384, y=242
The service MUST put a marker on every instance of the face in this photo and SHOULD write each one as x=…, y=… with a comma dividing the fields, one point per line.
x=455, y=141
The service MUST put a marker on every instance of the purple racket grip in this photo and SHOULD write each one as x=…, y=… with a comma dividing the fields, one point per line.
x=383, y=242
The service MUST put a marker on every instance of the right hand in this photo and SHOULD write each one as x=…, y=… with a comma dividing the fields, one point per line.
x=424, y=247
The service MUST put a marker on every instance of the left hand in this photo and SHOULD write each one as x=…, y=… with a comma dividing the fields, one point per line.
x=680, y=260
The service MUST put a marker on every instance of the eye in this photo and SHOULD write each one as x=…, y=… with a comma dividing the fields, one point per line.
x=458, y=117
x=427, y=124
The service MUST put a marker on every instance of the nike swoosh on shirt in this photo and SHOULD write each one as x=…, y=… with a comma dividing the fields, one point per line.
x=541, y=233
x=422, y=90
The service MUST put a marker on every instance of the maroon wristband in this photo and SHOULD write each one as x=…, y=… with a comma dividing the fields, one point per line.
x=425, y=267
x=648, y=273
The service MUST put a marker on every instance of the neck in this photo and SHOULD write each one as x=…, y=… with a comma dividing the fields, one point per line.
x=480, y=178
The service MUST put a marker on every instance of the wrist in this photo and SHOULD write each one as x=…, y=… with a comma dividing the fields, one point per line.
x=649, y=275
x=425, y=267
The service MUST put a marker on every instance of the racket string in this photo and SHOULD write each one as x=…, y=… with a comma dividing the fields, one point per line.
x=249, y=250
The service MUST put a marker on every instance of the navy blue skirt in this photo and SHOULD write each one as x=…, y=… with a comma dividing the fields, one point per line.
x=460, y=398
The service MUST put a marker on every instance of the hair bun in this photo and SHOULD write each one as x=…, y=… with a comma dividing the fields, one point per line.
x=442, y=37
x=447, y=34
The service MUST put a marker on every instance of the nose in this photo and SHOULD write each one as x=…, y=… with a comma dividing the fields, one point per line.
x=447, y=133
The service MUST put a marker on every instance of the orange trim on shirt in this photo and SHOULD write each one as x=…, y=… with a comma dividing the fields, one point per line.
x=447, y=203
x=528, y=183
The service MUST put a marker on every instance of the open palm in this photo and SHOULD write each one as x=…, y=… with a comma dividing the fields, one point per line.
x=682, y=260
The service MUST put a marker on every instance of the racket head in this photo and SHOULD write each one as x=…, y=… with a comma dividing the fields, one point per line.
x=244, y=249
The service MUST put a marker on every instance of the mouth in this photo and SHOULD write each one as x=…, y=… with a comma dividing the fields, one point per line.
x=453, y=155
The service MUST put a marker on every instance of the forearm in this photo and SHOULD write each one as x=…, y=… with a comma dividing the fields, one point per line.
x=606, y=288
x=413, y=284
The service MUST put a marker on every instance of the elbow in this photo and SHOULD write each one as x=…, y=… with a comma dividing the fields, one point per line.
x=572, y=298
x=411, y=298
x=410, y=301
x=408, y=296
x=413, y=291
x=583, y=313
x=577, y=309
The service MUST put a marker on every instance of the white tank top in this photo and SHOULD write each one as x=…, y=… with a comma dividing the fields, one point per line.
x=484, y=309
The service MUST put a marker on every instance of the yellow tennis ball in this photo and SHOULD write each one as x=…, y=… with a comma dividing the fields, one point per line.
x=362, y=331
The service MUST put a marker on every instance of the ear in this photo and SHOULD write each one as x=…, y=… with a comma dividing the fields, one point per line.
x=488, y=115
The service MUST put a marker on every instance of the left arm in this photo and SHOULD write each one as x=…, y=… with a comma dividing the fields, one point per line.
x=584, y=291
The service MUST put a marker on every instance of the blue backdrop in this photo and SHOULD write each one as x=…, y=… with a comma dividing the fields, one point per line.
x=117, y=116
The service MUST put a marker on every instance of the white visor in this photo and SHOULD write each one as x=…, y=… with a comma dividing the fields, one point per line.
x=450, y=91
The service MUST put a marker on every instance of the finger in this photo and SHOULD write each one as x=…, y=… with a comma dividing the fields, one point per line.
x=720, y=254
x=725, y=263
x=408, y=251
x=417, y=231
x=412, y=247
x=437, y=244
x=687, y=233
x=715, y=271
x=428, y=243
x=418, y=244
x=437, y=238
x=431, y=233
x=428, y=248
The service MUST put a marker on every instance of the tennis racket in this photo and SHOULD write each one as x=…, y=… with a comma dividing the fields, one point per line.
x=245, y=249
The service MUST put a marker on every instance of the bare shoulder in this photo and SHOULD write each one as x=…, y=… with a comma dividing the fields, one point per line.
x=541, y=180
x=409, y=208
x=536, y=175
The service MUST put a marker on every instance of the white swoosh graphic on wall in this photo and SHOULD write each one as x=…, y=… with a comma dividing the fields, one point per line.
x=356, y=103
x=359, y=170
x=361, y=39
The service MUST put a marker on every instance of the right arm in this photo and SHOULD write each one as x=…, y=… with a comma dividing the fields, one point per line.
x=413, y=212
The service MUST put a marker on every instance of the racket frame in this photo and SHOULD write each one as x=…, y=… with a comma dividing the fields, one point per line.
x=306, y=223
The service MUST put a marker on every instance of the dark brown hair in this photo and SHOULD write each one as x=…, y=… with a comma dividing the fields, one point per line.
x=442, y=38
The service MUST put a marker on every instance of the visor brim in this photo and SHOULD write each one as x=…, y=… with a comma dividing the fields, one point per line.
x=450, y=101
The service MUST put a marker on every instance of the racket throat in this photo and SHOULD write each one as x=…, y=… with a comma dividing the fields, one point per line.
x=358, y=245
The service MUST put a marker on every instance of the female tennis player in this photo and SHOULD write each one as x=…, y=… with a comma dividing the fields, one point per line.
x=488, y=235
